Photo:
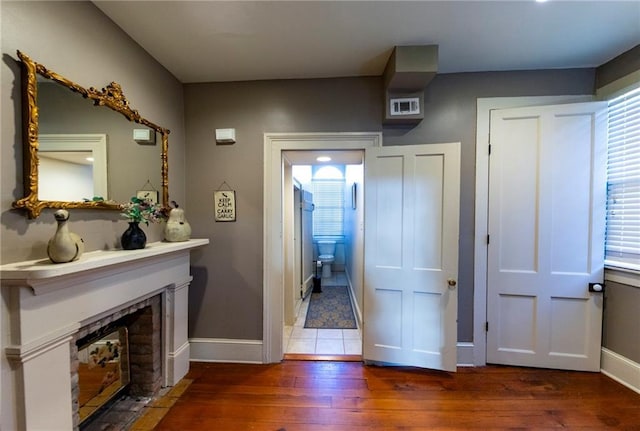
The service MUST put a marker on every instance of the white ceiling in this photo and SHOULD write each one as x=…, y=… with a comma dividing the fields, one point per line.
x=208, y=41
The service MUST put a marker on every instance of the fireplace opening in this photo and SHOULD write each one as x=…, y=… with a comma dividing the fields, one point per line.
x=103, y=369
x=115, y=358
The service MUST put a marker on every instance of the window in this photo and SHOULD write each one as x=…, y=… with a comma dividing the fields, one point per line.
x=623, y=181
x=327, y=187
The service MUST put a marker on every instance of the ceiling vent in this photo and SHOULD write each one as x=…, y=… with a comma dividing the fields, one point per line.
x=408, y=71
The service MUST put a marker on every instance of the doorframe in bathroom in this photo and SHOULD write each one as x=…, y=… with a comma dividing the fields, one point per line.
x=273, y=251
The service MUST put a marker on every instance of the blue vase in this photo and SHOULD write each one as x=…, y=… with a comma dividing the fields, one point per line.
x=133, y=238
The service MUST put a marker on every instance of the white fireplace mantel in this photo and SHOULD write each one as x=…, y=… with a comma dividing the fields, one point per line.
x=46, y=304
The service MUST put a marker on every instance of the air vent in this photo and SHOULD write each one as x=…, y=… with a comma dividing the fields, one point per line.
x=404, y=106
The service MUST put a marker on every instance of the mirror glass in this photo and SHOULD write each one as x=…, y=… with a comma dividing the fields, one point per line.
x=86, y=148
x=73, y=167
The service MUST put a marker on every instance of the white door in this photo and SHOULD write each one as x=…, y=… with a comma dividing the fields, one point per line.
x=308, y=268
x=546, y=236
x=411, y=255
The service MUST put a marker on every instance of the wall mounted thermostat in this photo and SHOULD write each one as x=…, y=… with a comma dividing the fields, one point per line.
x=144, y=136
x=404, y=106
x=225, y=136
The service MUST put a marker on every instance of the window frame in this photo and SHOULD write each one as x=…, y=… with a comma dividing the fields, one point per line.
x=620, y=263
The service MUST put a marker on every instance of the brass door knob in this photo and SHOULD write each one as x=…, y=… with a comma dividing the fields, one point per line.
x=452, y=283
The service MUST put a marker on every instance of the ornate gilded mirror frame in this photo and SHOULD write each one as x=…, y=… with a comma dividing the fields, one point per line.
x=112, y=97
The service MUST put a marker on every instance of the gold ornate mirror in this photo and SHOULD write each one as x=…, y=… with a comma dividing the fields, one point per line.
x=63, y=129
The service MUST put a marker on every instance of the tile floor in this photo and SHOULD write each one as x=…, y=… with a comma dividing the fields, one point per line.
x=301, y=340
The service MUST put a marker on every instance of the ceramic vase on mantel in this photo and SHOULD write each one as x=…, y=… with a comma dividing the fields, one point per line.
x=177, y=228
x=133, y=238
x=64, y=246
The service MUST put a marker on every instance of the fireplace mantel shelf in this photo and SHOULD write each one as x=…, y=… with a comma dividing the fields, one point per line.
x=43, y=269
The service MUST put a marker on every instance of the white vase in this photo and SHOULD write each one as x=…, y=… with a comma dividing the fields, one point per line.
x=177, y=228
x=64, y=246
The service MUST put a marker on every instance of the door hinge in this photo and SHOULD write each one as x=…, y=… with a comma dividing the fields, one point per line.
x=486, y=326
x=489, y=149
x=488, y=238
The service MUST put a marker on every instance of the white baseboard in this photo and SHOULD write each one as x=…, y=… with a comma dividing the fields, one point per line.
x=615, y=366
x=621, y=369
x=226, y=350
x=356, y=309
x=177, y=364
x=250, y=351
x=465, y=354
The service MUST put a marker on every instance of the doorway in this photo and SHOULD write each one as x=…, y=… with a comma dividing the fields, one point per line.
x=274, y=251
x=324, y=253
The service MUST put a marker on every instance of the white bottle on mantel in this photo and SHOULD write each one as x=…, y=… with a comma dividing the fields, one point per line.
x=64, y=246
x=177, y=228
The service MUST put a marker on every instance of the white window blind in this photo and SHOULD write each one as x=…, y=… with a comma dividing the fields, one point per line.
x=328, y=213
x=623, y=179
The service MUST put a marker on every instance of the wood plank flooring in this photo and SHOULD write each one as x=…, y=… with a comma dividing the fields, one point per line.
x=325, y=395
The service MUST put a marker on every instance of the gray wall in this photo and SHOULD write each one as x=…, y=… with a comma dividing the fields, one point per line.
x=622, y=320
x=77, y=41
x=226, y=296
x=624, y=64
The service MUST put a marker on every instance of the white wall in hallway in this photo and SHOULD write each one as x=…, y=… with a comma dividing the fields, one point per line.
x=354, y=233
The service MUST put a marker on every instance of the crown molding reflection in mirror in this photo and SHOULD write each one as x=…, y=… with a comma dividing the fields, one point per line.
x=111, y=97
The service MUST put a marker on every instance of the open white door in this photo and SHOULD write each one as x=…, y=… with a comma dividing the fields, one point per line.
x=308, y=268
x=546, y=225
x=411, y=255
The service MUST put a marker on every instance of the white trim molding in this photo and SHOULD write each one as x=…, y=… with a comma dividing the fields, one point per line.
x=622, y=276
x=356, y=308
x=273, y=253
x=621, y=369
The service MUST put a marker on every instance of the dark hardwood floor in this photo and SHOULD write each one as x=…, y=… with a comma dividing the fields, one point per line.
x=325, y=395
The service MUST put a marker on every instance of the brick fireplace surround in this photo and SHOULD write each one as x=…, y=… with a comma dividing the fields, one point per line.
x=47, y=307
x=143, y=350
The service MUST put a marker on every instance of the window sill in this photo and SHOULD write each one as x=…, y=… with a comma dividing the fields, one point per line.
x=628, y=274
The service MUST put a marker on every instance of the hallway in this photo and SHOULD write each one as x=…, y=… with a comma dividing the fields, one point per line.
x=301, y=340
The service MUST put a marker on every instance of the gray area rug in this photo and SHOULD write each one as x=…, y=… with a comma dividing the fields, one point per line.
x=331, y=309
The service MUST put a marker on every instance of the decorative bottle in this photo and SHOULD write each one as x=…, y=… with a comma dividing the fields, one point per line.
x=177, y=228
x=64, y=246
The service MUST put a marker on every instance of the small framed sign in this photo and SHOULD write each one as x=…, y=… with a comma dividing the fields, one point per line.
x=150, y=195
x=224, y=205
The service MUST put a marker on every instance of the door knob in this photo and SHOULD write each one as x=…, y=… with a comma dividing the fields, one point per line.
x=596, y=287
x=452, y=283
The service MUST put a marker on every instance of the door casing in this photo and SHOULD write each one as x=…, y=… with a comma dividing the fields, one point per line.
x=273, y=251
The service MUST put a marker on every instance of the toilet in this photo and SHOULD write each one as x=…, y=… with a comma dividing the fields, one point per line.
x=326, y=253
